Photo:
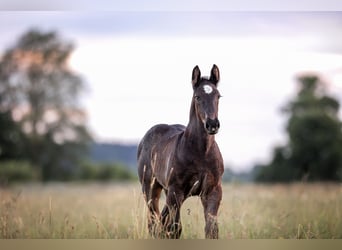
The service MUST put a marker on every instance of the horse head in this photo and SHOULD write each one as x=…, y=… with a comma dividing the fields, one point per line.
x=206, y=98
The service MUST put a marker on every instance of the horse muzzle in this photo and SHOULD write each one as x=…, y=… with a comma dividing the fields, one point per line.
x=212, y=126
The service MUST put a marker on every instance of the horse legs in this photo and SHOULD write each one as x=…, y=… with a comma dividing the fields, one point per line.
x=152, y=191
x=211, y=202
x=170, y=216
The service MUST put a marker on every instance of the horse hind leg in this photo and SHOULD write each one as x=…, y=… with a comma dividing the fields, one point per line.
x=152, y=192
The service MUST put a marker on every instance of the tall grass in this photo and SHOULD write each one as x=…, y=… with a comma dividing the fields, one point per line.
x=118, y=211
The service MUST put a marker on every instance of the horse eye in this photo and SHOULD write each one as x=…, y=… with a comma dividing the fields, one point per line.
x=197, y=98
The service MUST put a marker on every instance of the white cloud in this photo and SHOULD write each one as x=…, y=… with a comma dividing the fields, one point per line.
x=171, y=5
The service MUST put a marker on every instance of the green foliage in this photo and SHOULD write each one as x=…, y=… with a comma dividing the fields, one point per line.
x=314, y=150
x=38, y=87
x=23, y=171
x=11, y=138
x=105, y=172
x=278, y=170
x=17, y=171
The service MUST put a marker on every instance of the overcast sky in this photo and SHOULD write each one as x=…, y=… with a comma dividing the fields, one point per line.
x=138, y=65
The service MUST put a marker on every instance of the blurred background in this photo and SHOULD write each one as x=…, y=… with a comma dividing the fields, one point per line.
x=79, y=89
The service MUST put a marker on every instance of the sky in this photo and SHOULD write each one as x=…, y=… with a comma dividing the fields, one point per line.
x=137, y=66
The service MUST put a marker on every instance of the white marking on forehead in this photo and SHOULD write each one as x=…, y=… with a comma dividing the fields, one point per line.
x=207, y=89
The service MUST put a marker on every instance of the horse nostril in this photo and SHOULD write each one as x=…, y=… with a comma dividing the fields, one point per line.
x=207, y=125
x=212, y=126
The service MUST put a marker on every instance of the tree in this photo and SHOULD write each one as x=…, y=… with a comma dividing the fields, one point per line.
x=11, y=138
x=278, y=170
x=314, y=150
x=314, y=131
x=40, y=90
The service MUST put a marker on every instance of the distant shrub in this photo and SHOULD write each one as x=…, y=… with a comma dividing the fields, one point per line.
x=105, y=172
x=22, y=171
x=17, y=171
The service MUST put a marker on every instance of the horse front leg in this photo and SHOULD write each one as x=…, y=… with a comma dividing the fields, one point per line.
x=211, y=202
x=170, y=216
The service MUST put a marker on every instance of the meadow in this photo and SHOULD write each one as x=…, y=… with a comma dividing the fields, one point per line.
x=117, y=211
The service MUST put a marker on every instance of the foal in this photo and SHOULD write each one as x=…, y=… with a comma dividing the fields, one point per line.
x=184, y=161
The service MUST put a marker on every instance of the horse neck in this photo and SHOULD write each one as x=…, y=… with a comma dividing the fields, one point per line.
x=195, y=135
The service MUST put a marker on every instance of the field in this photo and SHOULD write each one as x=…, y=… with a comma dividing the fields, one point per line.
x=248, y=211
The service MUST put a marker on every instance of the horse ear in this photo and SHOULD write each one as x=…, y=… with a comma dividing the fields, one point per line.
x=215, y=75
x=196, y=76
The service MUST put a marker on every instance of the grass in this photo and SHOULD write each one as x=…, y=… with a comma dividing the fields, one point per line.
x=117, y=211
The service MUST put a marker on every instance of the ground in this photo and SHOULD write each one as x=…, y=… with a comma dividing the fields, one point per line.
x=117, y=210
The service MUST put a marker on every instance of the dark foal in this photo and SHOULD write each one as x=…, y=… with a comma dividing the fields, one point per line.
x=184, y=161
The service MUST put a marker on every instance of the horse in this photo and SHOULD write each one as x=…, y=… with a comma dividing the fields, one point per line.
x=184, y=161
